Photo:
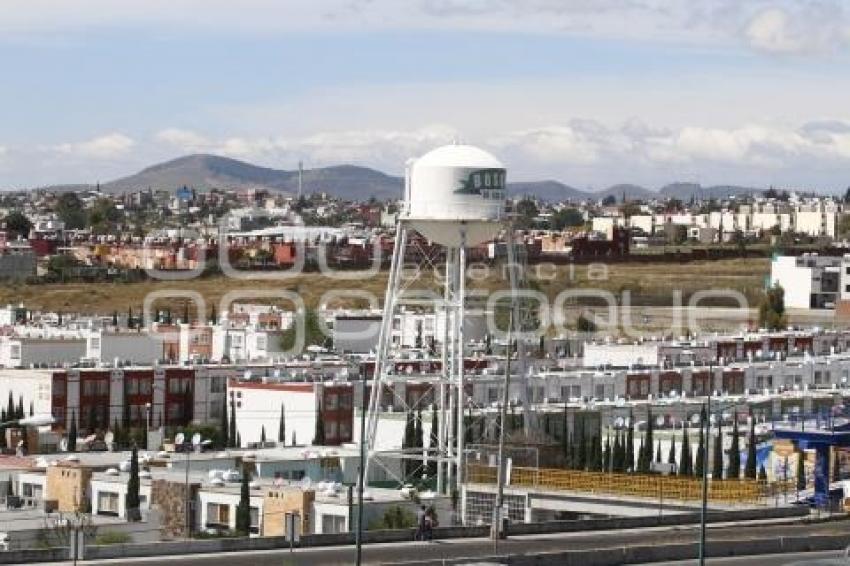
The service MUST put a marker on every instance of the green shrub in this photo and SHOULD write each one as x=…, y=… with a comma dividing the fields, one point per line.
x=112, y=537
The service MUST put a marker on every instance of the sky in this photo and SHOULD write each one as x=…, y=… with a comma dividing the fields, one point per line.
x=586, y=92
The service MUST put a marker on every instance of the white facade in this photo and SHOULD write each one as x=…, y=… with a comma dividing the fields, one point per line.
x=620, y=355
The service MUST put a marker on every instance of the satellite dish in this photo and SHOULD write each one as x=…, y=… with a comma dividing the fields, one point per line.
x=179, y=438
x=196, y=439
x=659, y=420
x=695, y=418
x=109, y=437
x=619, y=422
x=63, y=445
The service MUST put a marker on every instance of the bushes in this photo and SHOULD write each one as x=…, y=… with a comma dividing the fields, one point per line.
x=394, y=518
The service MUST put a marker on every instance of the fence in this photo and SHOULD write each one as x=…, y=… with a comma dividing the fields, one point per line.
x=744, y=491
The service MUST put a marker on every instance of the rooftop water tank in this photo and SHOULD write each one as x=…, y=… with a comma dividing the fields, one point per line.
x=456, y=195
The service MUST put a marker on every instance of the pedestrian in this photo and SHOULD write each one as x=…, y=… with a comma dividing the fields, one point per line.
x=421, y=518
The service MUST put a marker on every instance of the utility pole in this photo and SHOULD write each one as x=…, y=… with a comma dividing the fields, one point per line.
x=361, y=482
x=496, y=527
x=704, y=510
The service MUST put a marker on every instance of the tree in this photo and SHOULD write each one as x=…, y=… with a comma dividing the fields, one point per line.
x=319, y=434
x=281, y=427
x=263, y=435
x=17, y=224
x=131, y=500
x=72, y=433
x=243, y=509
x=608, y=454
x=19, y=412
x=69, y=209
x=750, y=471
x=10, y=407
x=772, y=309
x=658, y=452
x=434, y=441
x=314, y=332
x=130, y=323
x=610, y=200
x=115, y=319
x=418, y=443
x=699, y=469
x=294, y=439
x=233, y=434
x=225, y=426
x=801, y=470
x=762, y=474
x=733, y=472
x=686, y=466
x=585, y=324
x=566, y=218
x=671, y=456
x=213, y=315
x=526, y=211
x=717, y=464
x=646, y=457
x=32, y=409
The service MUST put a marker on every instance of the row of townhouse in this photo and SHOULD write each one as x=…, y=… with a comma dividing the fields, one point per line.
x=308, y=483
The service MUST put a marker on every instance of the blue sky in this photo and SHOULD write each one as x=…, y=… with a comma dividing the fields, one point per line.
x=589, y=92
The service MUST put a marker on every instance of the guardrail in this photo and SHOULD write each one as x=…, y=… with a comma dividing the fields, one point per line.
x=650, y=486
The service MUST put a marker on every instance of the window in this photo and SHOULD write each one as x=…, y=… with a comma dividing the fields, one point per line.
x=107, y=503
x=217, y=384
x=218, y=515
x=332, y=524
x=331, y=402
x=331, y=429
x=15, y=352
x=345, y=401
x=255, y=520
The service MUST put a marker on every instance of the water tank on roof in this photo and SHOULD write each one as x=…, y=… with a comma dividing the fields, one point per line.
x=455, y=195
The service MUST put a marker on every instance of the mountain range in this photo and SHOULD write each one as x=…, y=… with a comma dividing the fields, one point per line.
x=204, y=172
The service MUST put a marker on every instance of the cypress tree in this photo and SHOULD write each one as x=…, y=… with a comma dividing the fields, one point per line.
x=571, y=453
x=658, y=453
x=115, y=319
x=186, y=313
x=263, y=435
x=630, y=445
x=750, y=469
x=418, y=444
x=131, y=500
x=319, y=434
x=762, y=474
x=801, y=470
x=233, y=435
x=650, y=441
x=281, y=426
x=434, y=442
x=717, y=464
x=32, y=409
x=238, y=440
x=10, y=407
x=671, y=455
x=639, y=468
x=565, y=439
x=213, y=315
x=225, y=427
x=243, y=510
x=686, y=465
x=130, y=322
x=581, y=449
x=733, y=471
x=607, y=462
x=19, y=412
x=406, y=442
x=700, y=465
x=72, y=433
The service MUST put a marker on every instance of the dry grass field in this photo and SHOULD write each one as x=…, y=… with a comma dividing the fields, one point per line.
x=650, y=284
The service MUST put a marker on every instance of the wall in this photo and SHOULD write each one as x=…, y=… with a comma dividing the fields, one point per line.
x=68, y=485
x=278, y=502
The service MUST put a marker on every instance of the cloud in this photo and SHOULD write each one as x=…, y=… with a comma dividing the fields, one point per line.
x=812, y=29
x=102, y=147
x=184, y=140
x=375, y=146
x=772, y=26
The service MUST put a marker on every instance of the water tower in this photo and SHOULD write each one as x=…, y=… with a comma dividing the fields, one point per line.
x=454, y=197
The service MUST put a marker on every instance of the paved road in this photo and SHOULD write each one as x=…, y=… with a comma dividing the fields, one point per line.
x=474, y=548
x=798, y=559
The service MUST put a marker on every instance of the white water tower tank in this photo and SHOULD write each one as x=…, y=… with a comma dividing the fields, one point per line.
x=456, y=195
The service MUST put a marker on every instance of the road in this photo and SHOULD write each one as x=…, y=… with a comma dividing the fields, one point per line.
x=476, y=548
x=830, y=558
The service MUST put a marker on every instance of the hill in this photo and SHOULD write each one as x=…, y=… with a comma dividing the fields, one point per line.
x=687, y=191
x=205, y=172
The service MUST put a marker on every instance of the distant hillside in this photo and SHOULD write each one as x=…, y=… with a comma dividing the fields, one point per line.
x=631, y=192
x=687, y=191
x=548, y=190
x=205, y=172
